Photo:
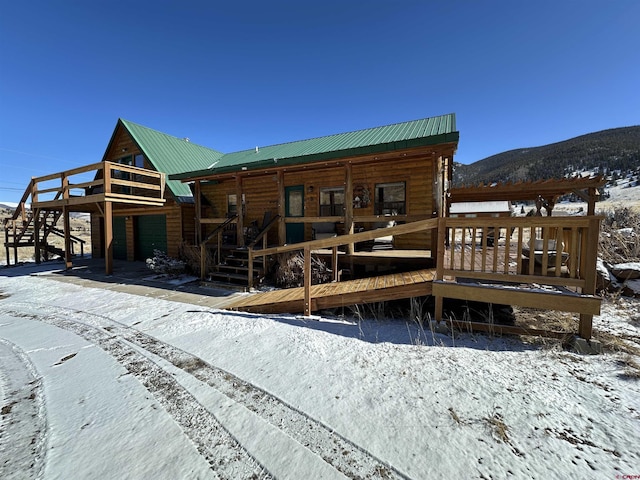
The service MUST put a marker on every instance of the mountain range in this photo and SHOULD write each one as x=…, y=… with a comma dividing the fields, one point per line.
x=613, y=151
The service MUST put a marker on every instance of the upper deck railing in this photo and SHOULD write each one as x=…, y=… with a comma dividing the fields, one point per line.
x=108, y=181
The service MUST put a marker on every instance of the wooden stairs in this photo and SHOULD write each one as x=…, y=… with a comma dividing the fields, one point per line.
x=233, y=269
x=20, y=232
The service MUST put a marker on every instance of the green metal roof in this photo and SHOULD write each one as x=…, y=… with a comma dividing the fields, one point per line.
x=171, y=154
x=427, y=131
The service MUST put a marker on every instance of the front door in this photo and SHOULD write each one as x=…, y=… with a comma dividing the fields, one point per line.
x=294, y=207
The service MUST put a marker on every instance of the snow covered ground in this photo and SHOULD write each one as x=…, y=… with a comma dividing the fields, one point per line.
x=101, y=384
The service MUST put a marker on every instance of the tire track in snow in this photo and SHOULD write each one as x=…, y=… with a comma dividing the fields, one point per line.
x=23, y=420
x=345, y=456
x=226, y=457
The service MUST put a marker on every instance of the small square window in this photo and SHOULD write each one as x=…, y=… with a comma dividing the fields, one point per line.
x=390, y=199
x=332, y=202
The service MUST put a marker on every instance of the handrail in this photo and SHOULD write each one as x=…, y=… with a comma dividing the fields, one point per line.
x=219, y=228
x=264, y=231
x=334, y=243
x=203, y=244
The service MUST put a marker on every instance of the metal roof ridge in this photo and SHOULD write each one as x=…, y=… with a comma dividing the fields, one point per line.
x=361, y=130
x=173, y=137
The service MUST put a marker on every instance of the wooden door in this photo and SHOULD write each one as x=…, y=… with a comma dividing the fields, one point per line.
x=294, y=207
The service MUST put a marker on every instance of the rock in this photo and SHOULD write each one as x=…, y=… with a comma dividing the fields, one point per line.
x=626, y=271
x=631, y=288
x=603, y=277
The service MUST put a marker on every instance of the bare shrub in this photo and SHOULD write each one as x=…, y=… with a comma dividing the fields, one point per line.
x=190, y=255
x=289, y=271
x=619, y=236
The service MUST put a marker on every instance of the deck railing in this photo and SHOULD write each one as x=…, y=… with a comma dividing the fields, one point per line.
x=524, y=261
x=109, y=181
x=547, y=250
x=333, y=243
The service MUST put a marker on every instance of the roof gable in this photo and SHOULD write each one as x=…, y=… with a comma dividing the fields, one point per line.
x=427, y=131
x=170, y=154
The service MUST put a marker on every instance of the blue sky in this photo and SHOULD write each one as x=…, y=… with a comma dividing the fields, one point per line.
x=233, y=75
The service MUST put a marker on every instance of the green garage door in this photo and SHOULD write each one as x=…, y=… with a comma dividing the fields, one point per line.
x=150, y=234
x=119, y=238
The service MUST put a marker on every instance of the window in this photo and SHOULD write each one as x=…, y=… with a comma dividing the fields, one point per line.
x=332, y=202
x=128, y=160
x=232, y=204
x=390, y=199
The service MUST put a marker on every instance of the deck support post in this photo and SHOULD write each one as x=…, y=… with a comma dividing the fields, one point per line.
x=68, y=263
x=307, y=281
x=36, y=236
x=108, y=238
x=334, y=263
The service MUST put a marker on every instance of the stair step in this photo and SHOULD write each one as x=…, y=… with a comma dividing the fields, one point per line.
x=229, y=276
x=238, y=268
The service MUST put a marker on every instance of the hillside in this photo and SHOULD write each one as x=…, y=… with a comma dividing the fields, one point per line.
x=617, y=149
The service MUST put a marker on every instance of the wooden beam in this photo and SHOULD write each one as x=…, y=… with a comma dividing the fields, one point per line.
x=36, y=237
x=587, y=304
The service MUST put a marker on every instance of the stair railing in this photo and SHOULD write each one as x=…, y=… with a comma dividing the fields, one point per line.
x=217, y=232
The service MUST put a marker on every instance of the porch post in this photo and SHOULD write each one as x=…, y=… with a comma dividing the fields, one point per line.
x=348, y=204
x=240, y=207
x=198, y=203
x=282, y=226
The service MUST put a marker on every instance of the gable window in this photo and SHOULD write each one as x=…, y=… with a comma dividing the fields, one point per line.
x=390, y=199
x=332, y=202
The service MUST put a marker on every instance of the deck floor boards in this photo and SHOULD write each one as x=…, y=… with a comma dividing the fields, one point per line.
x=337, y=294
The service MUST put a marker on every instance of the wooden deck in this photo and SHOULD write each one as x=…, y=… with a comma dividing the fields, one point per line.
x=338, y=294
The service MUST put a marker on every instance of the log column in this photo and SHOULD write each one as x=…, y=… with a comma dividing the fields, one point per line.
x=348, y=204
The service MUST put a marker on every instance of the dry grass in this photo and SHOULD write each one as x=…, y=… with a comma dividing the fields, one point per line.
x=630, y=367
x=499, y=429
x=619, y=236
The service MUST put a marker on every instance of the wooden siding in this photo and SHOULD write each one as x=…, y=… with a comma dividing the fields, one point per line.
x=122, y=146
x=414, y=167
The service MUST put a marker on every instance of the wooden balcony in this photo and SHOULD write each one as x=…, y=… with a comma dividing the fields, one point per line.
x=109, y=182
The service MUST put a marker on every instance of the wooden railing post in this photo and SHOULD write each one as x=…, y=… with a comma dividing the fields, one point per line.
x=250, y=267
x=589, y=273
x=203, y=263
x=442, y=237
x=307, y=281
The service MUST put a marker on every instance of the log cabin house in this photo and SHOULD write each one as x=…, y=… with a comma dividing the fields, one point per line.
x=374, y=203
